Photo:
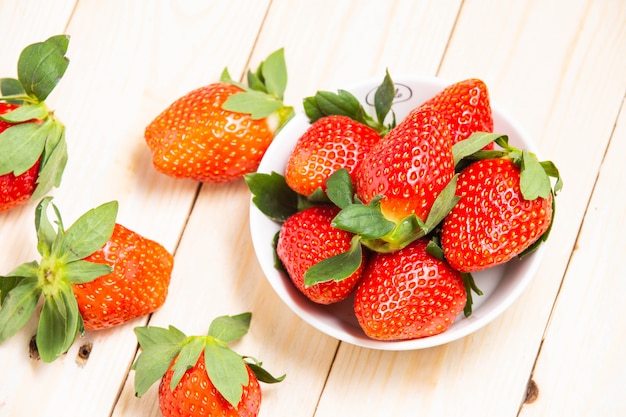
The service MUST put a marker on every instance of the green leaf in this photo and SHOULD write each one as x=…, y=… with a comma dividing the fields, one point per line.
x=11, y=87
x=151, y=335
x=18, y=306
x=21, y=146
x=274, y=71
x=227, y=370
x=257, y=104
x=338, y=267
x=90, y=232
x=339, y=188
x=230, y=328
x=53, y=164
x=474, y=143
x=470, y=285
x=25, y=113
x=13, y=278
x=58, y=324
x=41, y=66
x=383, y=98
x=159, y=347
x=261, y=373
x=187, y=358
x=45, y=232
x=534, y=182
x=80, y=271
x=442, y=205
x=550, y=168
x=366, y=221
x=272, y=196
x=343, y=103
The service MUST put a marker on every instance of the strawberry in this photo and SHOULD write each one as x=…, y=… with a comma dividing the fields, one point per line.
x=33, y=151
x=409, y=167
x=200, y=375
x=138, y=284
x=305, y=240
x=96, y=267
x=493, y=220
x=408, y=294
x=220, y=132
x=467, y=108
x=329, y=144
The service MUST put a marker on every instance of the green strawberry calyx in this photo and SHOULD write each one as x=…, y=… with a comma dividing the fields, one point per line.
x=263, y=96
x=344, y=103
x=165, y=347
x=37, y=132
x=62, y=264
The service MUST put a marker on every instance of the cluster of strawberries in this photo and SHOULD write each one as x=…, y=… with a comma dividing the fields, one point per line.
x=399, y=215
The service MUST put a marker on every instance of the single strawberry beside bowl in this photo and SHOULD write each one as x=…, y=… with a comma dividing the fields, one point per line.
x=272, y=204
x=94, y=275
x=200, y=375
x=219, y=132
x=33, y=151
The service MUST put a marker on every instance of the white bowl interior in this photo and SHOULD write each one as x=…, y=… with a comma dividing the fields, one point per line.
x=501, y=285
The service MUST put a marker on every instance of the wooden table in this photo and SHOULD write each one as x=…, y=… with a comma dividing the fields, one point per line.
x=558, y=66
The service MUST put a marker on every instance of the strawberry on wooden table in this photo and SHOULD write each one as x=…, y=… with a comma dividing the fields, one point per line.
x=408, y=294
x=200, y=375
x=33, y=151
x=220, y=132
x=94, y=275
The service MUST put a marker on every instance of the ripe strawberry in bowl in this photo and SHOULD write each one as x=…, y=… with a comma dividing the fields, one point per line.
x=400, y=193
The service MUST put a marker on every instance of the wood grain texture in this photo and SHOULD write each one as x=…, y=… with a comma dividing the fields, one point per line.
x=558, y=66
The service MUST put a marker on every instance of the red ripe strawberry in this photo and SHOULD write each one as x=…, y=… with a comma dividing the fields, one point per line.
x=96, y=267
x=220, y=132
x=493, y=221
x=16, y=190
x=308, y=238
x=408, y=294
x=195, y=395
x=137, y=286
x=200, y=375
x=466, y=106
x=331, y=143
x=409, y=167
x=33, y=152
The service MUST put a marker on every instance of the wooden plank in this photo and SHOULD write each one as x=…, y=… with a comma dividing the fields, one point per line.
x=232, y=281
x=502, y=43
x=129, y=60
x=580, y=369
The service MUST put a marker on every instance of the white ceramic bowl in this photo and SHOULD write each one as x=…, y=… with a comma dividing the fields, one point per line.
x=501, y=285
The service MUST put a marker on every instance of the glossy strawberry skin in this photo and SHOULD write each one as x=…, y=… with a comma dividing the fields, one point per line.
x=16, y=190
x=408, y=294
x=195, y=138
x=492, y=223
x=467, y=107
x=307, y=238
x=329, y=144
x=137, y=286
x=195, y=395
x=410, y=166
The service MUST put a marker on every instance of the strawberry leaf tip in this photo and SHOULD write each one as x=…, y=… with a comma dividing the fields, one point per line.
x=162, y=348
x=263, y=95
x=61, y=265
x=41, y=66
x=344, y=103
